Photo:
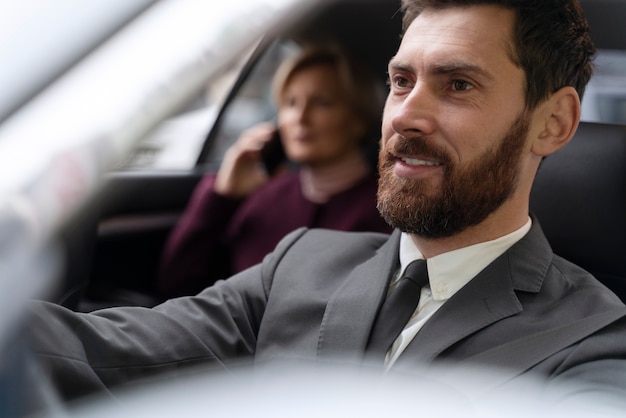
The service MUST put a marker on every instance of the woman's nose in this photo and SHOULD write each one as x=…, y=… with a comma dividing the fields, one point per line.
x=303, y=112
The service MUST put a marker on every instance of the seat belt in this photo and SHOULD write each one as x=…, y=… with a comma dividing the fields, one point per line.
x=515, y=357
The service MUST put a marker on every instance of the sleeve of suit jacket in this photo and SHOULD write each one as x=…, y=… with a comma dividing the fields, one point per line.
x=83, y=353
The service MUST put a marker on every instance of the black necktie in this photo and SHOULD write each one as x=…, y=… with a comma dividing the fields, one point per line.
x=398, y=308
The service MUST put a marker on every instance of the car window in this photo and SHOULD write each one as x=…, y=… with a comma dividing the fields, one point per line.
x=605, y=97
x=253, y=103
x=176, y=143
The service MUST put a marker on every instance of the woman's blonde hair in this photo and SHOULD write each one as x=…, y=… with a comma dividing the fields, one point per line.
x=364, y=91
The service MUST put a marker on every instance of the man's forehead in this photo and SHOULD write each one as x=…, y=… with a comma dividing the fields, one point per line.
x=466, y=34
x=468, y=16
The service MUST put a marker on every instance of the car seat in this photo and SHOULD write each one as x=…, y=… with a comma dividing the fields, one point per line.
x=579, y=197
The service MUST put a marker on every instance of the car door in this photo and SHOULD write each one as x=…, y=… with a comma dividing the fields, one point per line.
x=149, y=192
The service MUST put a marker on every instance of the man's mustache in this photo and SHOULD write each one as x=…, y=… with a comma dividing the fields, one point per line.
x=417, y=145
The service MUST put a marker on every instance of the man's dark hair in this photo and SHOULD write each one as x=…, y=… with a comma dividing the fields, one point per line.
x=551, y=41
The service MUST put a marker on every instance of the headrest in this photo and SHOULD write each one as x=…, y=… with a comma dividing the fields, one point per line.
x=579, y=197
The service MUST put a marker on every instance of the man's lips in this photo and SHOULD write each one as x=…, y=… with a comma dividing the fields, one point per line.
x=415, y=162
x=414, y=167
x=415, y=157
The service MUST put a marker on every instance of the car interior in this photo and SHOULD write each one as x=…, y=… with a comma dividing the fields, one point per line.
x=112, y=249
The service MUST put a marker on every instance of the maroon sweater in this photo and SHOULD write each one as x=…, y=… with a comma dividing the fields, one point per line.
x=218, y=236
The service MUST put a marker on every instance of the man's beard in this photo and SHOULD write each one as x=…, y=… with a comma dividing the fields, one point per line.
x=466, y=196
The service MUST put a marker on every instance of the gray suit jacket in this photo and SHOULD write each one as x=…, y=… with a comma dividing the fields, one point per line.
x=315, y=298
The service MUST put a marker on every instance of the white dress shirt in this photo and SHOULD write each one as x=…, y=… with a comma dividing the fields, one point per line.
x=447, y=273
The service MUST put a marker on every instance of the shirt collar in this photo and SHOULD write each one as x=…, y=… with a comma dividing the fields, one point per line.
x=449, y=272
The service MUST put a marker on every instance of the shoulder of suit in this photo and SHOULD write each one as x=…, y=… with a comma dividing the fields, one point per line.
x=343, y=236
x=333, y=238
x=325, y=240
x=593, y=291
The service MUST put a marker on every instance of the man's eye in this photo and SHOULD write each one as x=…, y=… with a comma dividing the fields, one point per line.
x=460, y=85
x=399, y=82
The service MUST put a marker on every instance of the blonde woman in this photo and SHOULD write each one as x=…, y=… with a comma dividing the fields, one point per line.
x=328, y=113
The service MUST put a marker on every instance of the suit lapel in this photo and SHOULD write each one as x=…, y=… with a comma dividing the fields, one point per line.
x=486, y=299
x=351, y=310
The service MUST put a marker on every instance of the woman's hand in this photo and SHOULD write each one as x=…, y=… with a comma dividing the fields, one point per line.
x=241, y=172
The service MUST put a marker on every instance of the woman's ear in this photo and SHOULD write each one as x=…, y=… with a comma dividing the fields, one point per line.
x=560, y=114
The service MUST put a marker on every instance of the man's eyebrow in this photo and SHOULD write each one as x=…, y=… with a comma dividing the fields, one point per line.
x=444, y=68
x=399, y=66
x=460, y=67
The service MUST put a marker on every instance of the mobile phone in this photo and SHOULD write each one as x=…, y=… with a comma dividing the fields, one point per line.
x=273, y=154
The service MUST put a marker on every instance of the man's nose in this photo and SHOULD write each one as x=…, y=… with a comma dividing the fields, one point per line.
x=415, y=112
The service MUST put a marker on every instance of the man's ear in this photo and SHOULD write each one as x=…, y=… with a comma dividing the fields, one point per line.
x=559, y=115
